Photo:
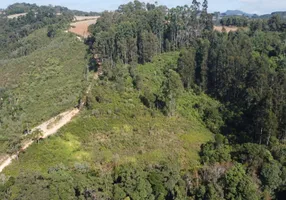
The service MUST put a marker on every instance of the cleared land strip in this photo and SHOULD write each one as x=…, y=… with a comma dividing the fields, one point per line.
x=81, y=27
x=228, y=28
x=16, y=15
x=48, y=128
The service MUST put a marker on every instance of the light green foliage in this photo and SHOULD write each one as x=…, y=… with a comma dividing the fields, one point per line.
x=172, y=88
x=204, y=108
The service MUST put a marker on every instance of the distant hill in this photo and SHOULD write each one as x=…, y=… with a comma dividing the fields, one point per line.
x=241, y=13
x=19, y=8
x=236, y=13
x=281, y=13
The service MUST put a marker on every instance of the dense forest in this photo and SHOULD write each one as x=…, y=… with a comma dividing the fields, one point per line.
x=12, y=30
x=180, y=112
x=245, y=71
x=37, y=17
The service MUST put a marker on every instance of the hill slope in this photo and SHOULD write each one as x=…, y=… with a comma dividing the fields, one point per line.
x=237, y=13
x=40, y=85
x=118, y=130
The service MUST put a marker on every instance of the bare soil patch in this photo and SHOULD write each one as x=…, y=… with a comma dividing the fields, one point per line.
x=227, y=28
x=16, y=15
x=56, y=122
x=83, y=18
x=81, y=27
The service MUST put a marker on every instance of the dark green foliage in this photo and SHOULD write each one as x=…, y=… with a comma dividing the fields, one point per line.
x=20, y=8
x=51, y=32
x=259, y=164
x=219, y=151
x=234, y=21
x=274, y=23
x=238, y=185
x=148, y=114
x=271, y=175
x=136, y=31
x=12, y=30
x=252, y=154
x=186, y=67
x=132, y=182
x=127, y=181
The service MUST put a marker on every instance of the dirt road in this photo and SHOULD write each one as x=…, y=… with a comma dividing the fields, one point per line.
x=53, y=125
x=48, y=128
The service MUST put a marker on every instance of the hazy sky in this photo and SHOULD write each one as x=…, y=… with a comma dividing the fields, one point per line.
x=252, y=6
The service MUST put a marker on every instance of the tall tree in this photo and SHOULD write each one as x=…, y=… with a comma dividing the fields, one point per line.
x=186, y=67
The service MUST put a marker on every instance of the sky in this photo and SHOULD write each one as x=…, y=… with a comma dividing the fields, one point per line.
x=250, y=6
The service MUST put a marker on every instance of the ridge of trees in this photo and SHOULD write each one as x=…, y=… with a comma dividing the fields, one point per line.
x=37, y=17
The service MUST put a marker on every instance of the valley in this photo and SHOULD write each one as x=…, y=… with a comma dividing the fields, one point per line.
x=142, y=102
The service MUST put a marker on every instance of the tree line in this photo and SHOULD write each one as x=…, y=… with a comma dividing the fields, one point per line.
x=244, y=70
x=235, y=21
x=12, y=30
x=138, y=31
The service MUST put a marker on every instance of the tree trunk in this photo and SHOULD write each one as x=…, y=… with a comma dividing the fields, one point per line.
x=260, y=137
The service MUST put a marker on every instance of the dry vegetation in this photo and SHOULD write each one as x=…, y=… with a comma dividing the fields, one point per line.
x=227, y=28
x=83, y=18
x=16, y=15
x=81, y=27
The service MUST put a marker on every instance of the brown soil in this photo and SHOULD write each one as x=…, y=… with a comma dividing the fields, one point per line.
x=83, y=18
x=16, y=15
x=81, y=28
x=227, y=28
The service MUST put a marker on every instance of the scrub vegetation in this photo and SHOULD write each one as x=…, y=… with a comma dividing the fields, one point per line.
x=179, y=111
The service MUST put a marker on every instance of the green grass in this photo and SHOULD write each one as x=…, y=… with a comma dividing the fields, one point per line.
x=40, y=85
x=118, y=129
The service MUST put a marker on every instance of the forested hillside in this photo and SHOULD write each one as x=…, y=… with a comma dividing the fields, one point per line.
x=41, y=75
x=180, y=111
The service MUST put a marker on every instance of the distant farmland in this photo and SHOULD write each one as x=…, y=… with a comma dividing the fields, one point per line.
x=81, y=26
x=227, y=28
x=16, y=15
x=82, y=18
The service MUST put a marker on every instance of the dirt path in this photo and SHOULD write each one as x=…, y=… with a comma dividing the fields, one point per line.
x=53, y=125
x=48, y=128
